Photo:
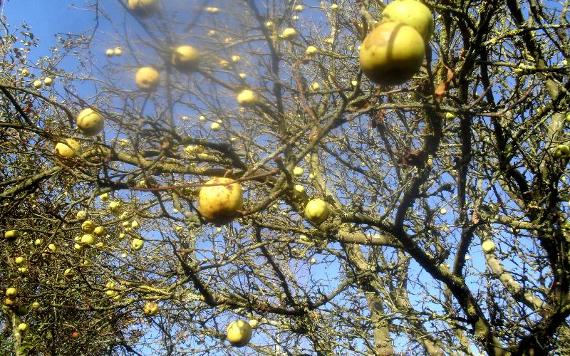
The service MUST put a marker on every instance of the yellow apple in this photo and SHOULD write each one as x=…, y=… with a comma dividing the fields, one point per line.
x=238, y=333
x=114, y=206
x=289, y=33
x=311, y=51
x=186, y=58
x=99, y=231
x=109, y=52
x=488, y=246
x=317, y=211
x=81, y=215
x=412, y=13
x=22, y=327
x=137, y=244
x=88, y=226
x=52, y=247
x=48, y=81
x=247, y=97
x=449, y=116
x=298, y=8
x=215, y=126
x=143, y=8
x=19, y=260
x=104, y=197
x=68, y=148
x=11, y=292
x=37, y=84
x=68, y=272
x=392, y=53
x=212, y=10
x=23, y=269
x=220, y=199
x=90, y=122
x=11, y=234
x=236, y=58
x=299, y=188
x=150, y=308
x=25, y=72
x=38, y=242
x=117, y=51
x=298, y=171
x=253, y=323
x=88, y=239
x=35, y=305
x=147, y=78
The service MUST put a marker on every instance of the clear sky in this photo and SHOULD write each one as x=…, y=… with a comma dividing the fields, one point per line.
x=47, y=17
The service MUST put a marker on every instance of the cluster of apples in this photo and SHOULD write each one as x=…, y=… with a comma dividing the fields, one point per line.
x=394, y=51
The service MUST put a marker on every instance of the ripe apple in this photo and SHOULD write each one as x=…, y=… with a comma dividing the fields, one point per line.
x=238, y=333
x=289, y=33
x=25, y=72
x=298, y=171
x=215, y=126
x=38, y=242
x=317, y=211
x=488, y=246
x=143, y=8
x=88, y=239
x=412, y=13
x=150, y=308
x=22, y=327
x=247, y=97
x=104, y=197
x=109, y=52
x=147, y=78
x=253, y=323
x=311, y=51
x=88, y=226
x=19, y=260
x=392, y=53
x=186, y=58
x=90, y=122
x=68, y=148
x=35, y=305
x=99, y=231
x=81, y=215
x=114, y=206
x=220, y=199
x=11, y=234
x=137, y=244
x=11, y=292
x=52, y=247
x=37, y=84
x=48, y=81
x=23, y=270
x=212, y=10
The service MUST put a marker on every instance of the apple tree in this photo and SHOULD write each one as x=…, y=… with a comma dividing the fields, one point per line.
x=287, y=177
